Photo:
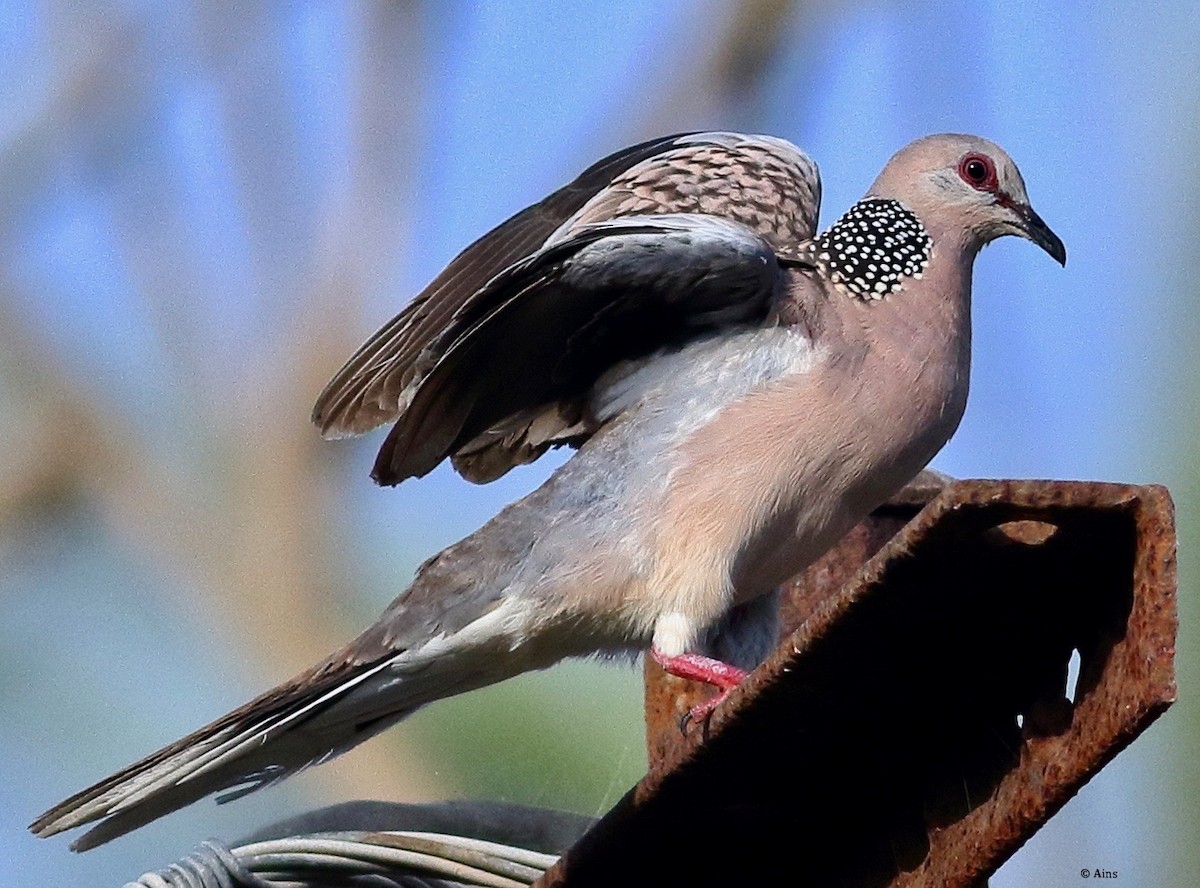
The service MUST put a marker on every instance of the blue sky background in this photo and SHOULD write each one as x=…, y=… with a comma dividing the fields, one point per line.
x=204, y=208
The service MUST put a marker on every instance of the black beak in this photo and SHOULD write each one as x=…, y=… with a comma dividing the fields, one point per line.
x=1039, y=232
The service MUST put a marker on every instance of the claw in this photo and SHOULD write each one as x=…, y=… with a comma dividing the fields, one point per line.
x=685, y=720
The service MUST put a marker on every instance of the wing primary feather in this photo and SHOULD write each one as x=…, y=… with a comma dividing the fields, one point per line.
x=341, y=408
x=550, y=325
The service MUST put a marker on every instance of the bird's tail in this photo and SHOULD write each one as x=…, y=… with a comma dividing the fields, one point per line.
x=307, y=720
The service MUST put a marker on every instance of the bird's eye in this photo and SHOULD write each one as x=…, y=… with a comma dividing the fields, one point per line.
x=978, y=171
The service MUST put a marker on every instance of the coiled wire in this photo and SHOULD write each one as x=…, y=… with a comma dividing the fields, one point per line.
x=358, y=859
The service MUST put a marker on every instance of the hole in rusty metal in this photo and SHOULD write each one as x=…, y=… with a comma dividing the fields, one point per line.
x=1025, y=532
x=1073, y=674
x=1020, y=720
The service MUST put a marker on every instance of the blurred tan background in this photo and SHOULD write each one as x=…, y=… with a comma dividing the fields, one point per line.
x=204, y=207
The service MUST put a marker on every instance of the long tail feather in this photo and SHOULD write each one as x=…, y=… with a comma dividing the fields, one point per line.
x=268, y=739
x=380, y=677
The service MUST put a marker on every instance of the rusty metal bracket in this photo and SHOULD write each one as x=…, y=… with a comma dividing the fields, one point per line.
x=916, y=724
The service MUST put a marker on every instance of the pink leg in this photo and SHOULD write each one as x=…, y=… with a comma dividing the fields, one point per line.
x=699, y=668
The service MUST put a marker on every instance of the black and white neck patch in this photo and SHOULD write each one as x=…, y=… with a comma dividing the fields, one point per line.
x=871, y=250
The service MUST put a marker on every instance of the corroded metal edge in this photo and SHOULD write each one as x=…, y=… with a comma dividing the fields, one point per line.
x=1136, y=687
x=1137, y=683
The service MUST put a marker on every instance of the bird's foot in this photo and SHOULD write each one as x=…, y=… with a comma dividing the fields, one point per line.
x=702, y=712
x=696, y=667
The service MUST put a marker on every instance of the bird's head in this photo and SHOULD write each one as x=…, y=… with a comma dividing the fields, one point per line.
x=967, y=184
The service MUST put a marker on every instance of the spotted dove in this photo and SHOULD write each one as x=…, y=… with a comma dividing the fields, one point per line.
x=741, y=391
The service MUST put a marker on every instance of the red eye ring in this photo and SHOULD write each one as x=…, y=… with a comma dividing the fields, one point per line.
x=978, y=171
